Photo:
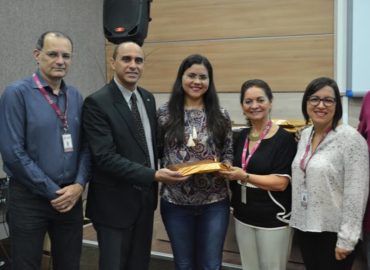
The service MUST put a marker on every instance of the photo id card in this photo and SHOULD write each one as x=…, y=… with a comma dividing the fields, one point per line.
x=244, y=194
x=67, y=142
x=304, y=198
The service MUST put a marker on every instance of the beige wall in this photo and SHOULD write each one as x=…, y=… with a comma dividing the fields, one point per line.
x=286, y=43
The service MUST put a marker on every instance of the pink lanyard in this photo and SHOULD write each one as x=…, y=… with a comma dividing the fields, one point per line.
x=245, y=159
x=54, y=106
x=303, y=164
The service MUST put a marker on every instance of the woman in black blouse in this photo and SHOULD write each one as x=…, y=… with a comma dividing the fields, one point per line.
x=261, y=191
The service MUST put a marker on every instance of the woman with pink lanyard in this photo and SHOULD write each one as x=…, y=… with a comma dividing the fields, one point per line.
x=261, y=193
x=330, y=181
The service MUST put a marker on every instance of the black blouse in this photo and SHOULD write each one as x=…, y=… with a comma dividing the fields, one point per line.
x=273, y=156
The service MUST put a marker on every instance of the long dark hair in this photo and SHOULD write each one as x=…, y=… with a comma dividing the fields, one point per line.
x=316, y=85
x=216, y=121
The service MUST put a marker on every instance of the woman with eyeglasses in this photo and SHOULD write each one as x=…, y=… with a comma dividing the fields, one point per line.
x=330, y=181
x=261, y=191
x=193, y=127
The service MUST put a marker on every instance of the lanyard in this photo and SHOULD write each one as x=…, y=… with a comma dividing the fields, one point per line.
x=303, y=164
x=54, y=106
x=245, y=159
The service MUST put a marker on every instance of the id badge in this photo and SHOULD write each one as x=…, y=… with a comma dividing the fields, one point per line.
x=244, y=194
x=304, y=198
x=67, y=142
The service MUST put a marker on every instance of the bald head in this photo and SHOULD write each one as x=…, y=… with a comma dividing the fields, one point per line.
x=124, y=45
x=41, y=40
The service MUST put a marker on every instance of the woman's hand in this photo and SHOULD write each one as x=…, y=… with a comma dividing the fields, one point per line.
x=341, y=254
x=234, y=173
x=267, y=182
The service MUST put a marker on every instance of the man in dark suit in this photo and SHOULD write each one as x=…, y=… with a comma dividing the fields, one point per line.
x=122, y=194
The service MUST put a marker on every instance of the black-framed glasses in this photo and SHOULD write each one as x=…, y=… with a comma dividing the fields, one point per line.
x=327, y=101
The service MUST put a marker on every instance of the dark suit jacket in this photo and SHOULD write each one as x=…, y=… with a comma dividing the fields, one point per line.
x=120, y=174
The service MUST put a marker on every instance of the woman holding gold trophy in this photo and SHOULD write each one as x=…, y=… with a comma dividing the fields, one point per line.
x=191, y=128
x=261, y=192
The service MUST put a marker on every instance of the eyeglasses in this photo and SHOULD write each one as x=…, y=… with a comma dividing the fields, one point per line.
x=55, y=55
x=327, y=101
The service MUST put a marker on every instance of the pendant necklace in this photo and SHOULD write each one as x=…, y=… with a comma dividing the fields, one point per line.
x=193, y=136
x=253, y=137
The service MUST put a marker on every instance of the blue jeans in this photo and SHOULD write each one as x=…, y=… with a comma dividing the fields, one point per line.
x=197, y=233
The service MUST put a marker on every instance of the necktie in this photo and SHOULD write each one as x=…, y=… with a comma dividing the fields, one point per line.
x=139, y=125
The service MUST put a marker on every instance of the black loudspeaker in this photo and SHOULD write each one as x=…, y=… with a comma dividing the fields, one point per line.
x=126, y=20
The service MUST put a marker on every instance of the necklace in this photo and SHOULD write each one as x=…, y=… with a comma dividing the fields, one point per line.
x=194, y=118
x=193, y=136
x=253, y=137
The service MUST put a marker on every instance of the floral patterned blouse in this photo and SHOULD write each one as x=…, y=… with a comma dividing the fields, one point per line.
x=199, y=189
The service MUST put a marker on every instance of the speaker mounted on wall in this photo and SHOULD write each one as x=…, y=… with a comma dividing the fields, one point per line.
x=126, y=20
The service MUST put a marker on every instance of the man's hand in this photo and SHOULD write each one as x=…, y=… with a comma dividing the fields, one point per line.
x=169, y=177
x=68, y=196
